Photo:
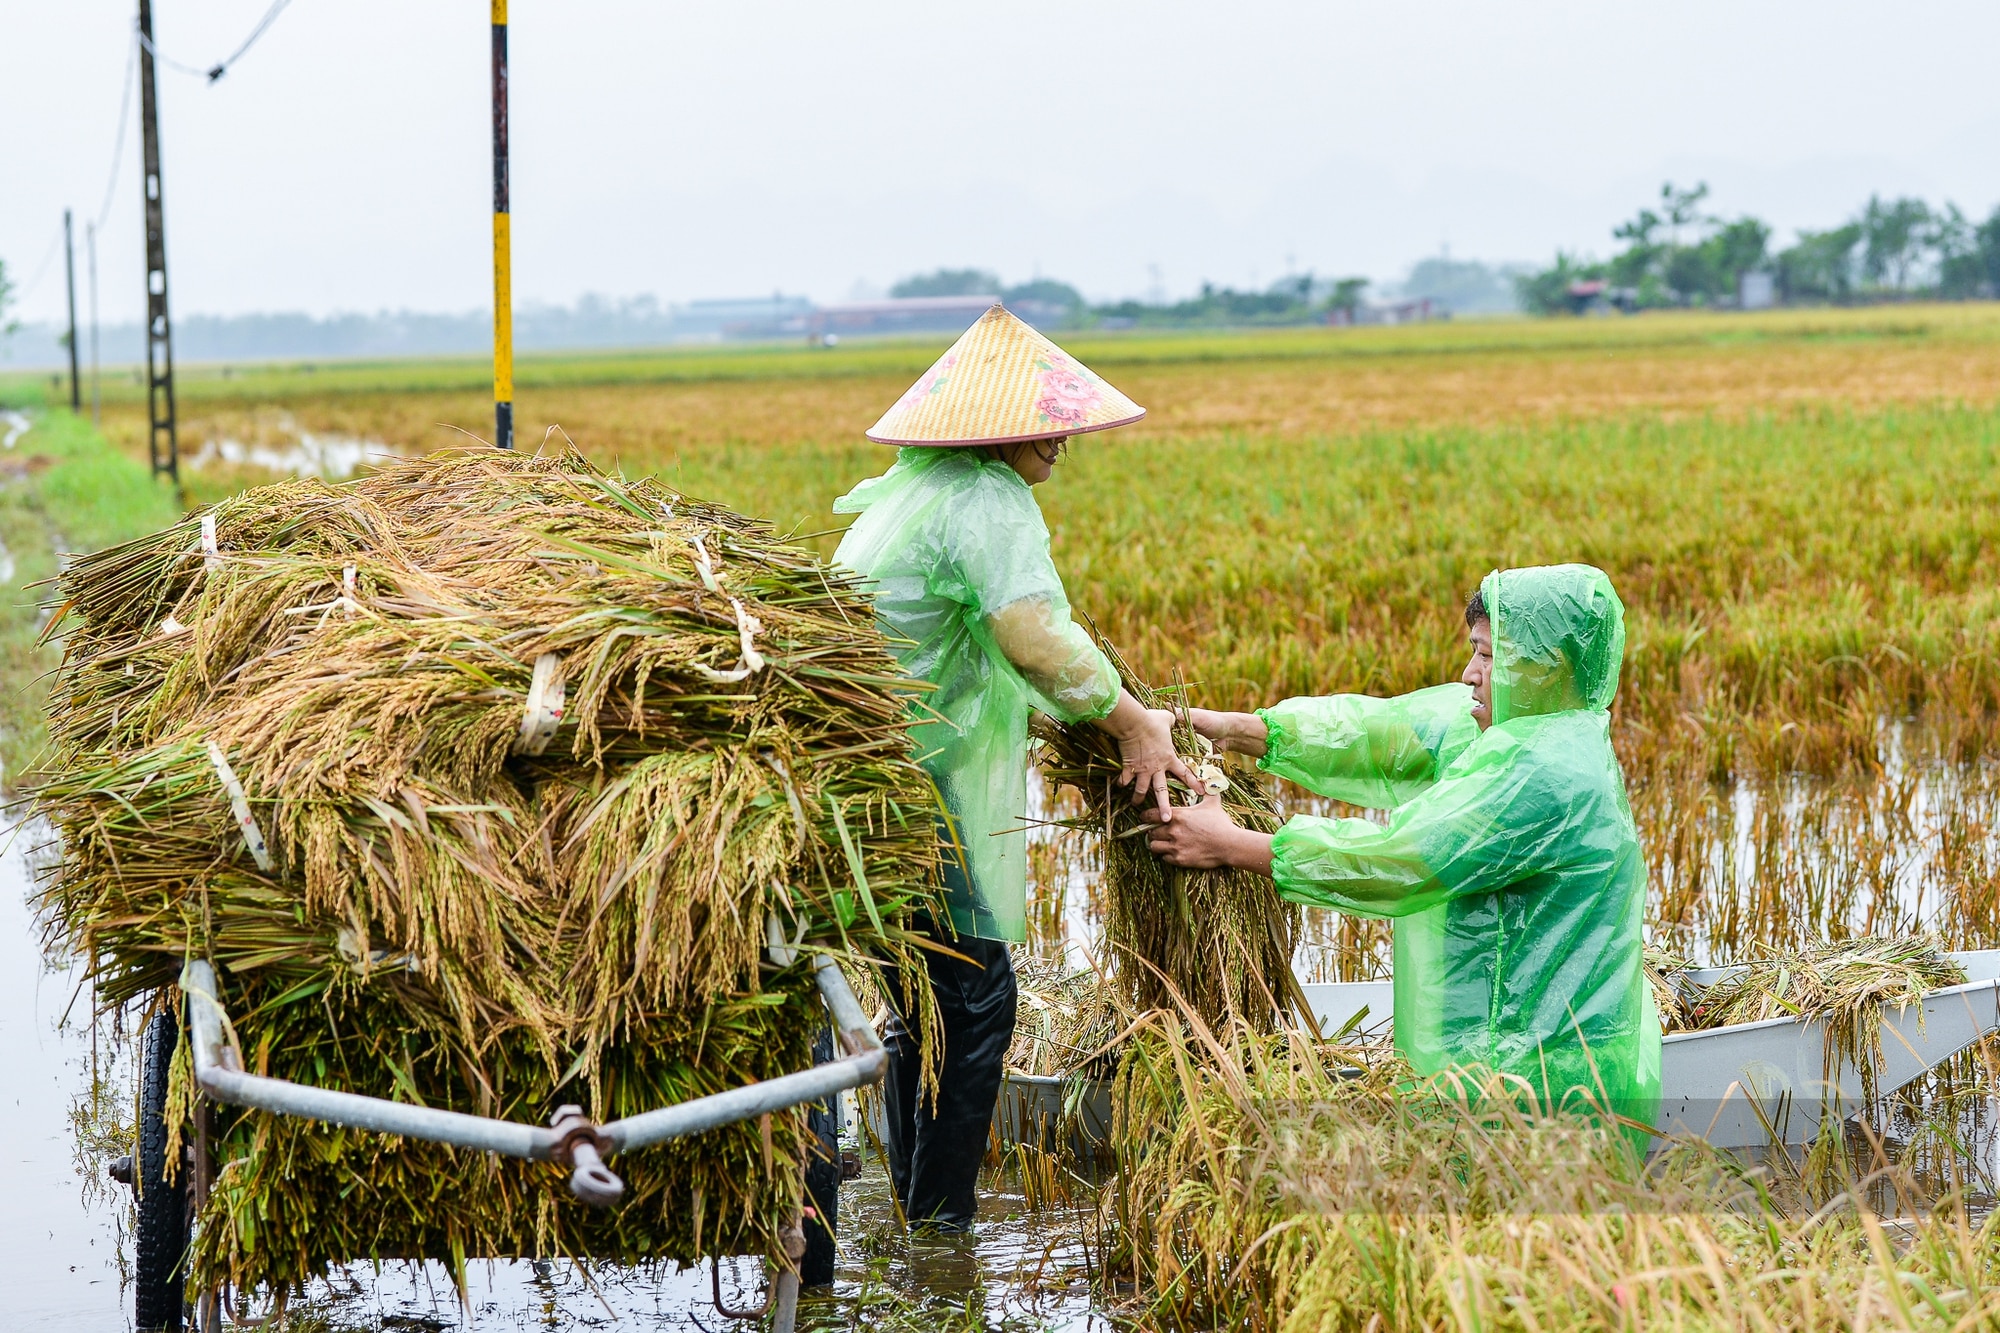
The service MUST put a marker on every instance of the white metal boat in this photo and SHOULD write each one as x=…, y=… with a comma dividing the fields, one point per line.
x=1734, y=1086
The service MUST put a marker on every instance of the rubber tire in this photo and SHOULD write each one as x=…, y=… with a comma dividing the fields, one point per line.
x=822, y=1181
x=159, y=1284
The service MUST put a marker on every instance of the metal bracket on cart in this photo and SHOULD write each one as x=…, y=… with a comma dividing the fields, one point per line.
x=571, y=1139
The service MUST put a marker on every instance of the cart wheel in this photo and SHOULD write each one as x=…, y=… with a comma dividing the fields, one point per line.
x=158, y=1281
x=822, y=1180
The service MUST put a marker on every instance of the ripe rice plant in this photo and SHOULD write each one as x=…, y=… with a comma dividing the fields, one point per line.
x=1799, y=511
x=1265, y=1186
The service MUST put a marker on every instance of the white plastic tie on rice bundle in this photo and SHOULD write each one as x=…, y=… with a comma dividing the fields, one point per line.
x=703, y=565
x=239, y=805
x=348, y=943
x=544, y=712
x=211, y=554
x=748, y=627
x=1208, y=769
x=347, y=601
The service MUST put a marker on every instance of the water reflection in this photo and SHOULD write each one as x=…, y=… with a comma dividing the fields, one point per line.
x=59, y=1261
x=64, y=1221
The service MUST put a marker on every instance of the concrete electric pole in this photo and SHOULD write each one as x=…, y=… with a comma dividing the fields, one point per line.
x=69, y=266
x=90, y=250
x=163, y=438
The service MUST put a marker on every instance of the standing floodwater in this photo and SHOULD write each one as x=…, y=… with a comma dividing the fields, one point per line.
x=58, y=1259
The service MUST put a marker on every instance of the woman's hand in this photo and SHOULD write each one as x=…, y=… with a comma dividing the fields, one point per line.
x=1146, y=749
x=1204, y=837
x=1244, y=733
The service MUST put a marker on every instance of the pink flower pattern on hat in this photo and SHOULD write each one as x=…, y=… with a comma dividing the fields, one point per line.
x=929, y=384
x=1068, y=391
x=1002, y=381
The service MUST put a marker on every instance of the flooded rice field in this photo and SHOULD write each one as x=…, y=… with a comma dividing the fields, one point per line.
x=276, y=444
x=59, y=1254
x=1908, y=846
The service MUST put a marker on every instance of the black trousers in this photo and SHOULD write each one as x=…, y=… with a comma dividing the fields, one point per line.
x=935, y=1152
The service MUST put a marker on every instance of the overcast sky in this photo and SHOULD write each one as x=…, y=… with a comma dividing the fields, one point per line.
x=731, y=149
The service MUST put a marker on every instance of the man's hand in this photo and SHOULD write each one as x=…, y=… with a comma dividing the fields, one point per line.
x=1244, y=733
x=1204, y=837
x=1146, y=749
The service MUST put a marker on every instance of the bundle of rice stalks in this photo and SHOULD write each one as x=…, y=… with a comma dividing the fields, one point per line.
x=481, y=780
x=1666, y=975
x=1842, y=984
x=1068, y=1020
x=1221, y=941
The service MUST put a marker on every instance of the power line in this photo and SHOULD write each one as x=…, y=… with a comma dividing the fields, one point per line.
x=276, y=8
x=41, y=269
x=118, y=146
x=216, y=71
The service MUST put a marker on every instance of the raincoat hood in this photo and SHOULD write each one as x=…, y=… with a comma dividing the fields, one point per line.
x=1558, y=639
x=1509, y=862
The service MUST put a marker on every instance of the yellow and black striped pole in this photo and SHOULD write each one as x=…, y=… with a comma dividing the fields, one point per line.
x=503, y=260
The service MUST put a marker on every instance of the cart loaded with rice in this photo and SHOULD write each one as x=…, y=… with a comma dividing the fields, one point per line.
x=483, y=846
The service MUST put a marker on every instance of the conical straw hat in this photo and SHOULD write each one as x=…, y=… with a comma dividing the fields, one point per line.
x=1002, y=382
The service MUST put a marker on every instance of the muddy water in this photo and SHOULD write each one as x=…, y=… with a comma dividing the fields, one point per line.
x=59, y=1253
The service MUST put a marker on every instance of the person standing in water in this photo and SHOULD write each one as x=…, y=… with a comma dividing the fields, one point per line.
x=1509, y=860
x=957, y=555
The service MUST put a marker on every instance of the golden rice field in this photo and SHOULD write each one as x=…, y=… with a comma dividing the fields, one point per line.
x=1799, y=509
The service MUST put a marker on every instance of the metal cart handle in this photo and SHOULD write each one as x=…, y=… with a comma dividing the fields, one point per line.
x=570, y=1139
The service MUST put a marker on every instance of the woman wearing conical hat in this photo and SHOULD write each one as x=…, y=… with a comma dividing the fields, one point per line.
x=958, y=555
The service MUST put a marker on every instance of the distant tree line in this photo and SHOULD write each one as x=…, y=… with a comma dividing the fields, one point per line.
x=1440, y=287
x=1677, y=255
x=1296, y=299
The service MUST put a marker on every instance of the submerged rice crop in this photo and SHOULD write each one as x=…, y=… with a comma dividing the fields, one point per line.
x=1802, y=514
x=1265, y=1186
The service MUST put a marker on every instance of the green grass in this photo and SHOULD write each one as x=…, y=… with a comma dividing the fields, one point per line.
x=65, y=490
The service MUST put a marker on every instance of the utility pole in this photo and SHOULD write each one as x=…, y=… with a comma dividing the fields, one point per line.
x=503, y=258
x=69, y=267
x=163, y=437
x=90, y=250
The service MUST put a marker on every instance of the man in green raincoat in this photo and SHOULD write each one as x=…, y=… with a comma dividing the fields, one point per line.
x=957, y=554
x=1509, y=860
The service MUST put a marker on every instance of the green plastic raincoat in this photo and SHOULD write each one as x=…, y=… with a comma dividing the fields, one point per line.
x=1510, y=862
x=959, y=558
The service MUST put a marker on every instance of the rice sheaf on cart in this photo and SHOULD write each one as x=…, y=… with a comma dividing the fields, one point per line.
x=524, y=759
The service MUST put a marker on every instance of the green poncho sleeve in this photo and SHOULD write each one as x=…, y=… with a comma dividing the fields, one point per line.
x=1370, y=752
x=1491, y=820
